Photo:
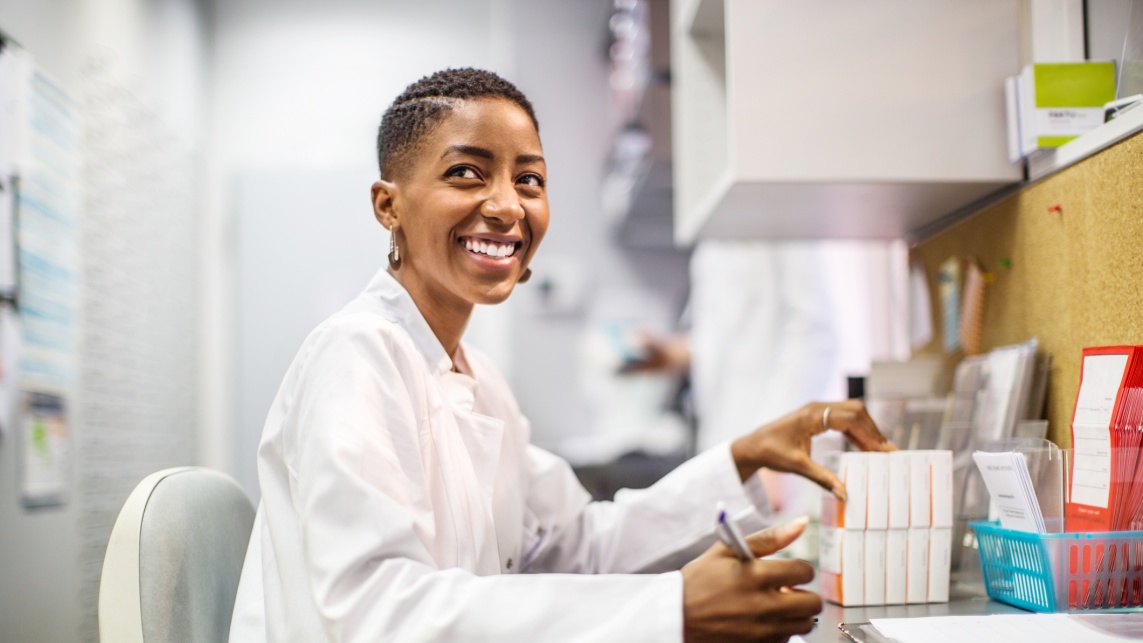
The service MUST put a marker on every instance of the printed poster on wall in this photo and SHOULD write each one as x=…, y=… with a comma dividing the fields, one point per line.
x=46, y=445
x=48, y=258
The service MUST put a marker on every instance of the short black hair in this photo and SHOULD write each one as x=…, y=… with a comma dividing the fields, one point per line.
x=424, y=104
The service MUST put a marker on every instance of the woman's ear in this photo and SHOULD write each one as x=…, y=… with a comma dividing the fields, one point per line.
x=384, y=194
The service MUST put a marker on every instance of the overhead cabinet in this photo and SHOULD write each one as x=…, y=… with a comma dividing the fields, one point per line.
x=833, y=118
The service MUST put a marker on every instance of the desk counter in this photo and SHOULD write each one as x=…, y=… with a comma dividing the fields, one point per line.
x=960, y=603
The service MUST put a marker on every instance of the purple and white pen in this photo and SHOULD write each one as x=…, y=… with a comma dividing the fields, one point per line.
x=730, y=536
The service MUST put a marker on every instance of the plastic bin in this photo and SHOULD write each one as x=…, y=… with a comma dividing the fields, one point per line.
x=1069, y=572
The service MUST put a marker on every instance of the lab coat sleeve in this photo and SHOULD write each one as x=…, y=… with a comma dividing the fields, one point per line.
x=650, y=530
x=369, y=571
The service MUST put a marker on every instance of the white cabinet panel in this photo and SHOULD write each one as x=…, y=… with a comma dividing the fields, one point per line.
x=830, y=118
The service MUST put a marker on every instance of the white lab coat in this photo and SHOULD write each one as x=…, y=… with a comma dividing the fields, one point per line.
x=400, y=500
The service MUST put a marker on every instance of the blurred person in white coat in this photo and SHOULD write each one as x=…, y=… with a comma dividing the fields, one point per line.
x=401, y=500
x=772, y=324
x=763, y=333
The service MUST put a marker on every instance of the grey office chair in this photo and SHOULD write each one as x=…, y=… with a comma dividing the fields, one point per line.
x=174, y=558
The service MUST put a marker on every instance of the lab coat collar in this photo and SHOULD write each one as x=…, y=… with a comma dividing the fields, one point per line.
x=405, y=312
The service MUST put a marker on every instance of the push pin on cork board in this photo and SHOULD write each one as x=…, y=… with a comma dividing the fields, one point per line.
x=1055, y=208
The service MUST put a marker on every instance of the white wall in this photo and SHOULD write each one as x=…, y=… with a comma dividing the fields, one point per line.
x=41, y=550
x=153, y=59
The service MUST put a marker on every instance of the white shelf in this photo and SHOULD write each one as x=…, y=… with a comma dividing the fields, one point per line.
x=1076, y=150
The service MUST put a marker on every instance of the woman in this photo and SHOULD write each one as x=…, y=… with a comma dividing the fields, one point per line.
x=400, y=497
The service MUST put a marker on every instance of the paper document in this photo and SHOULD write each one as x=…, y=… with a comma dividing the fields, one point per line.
x=1006, y=628
x=1010, y=487
x=1091, y=437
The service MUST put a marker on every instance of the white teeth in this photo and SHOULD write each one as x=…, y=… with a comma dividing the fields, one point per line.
x=491, y=249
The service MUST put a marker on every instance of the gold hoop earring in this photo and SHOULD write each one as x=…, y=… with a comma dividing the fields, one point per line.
x=525, y=277
x=394, y=252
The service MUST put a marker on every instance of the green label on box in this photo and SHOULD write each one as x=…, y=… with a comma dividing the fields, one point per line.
x=1053, y=141
x=1074, y=84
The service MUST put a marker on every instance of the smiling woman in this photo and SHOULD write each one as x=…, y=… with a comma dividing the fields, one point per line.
x=401, y=499
x=469, y=207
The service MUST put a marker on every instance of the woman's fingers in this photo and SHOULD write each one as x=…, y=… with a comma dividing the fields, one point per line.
x=825, y=478
x=728, y=600
x=851, y=418
x=774, y=539
x=775, y=574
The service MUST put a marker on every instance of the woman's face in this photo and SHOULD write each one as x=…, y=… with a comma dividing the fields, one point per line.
x=472, y=207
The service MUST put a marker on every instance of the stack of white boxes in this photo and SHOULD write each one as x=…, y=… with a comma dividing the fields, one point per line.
x=891, y=541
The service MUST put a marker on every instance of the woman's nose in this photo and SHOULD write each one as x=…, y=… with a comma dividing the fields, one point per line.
x=502, y=203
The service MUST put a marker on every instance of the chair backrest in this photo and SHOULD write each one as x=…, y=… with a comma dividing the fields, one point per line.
x=174, y=558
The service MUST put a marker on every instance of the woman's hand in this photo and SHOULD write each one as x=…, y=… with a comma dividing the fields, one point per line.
x=725, y=599
x=784, y=445
x=660, y=355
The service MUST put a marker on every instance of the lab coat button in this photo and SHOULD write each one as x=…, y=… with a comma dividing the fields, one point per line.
x=509, y=563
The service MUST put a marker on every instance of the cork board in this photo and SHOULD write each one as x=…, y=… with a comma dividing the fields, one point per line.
x=1076, y=276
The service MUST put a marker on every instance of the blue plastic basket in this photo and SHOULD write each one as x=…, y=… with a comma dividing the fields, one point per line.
x=1070, y=572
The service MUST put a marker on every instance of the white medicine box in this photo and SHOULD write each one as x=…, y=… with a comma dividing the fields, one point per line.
x=842, y=563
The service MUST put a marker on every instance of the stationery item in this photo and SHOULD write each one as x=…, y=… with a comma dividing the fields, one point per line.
x=1106, y=440
x=920, y=307
x=1005, y=380
x=896, y=563
x=1060, y=101
x=1130, y=444
x=842, y=559
x=917, y=565
x=731, y=536
x=948, y=290
x=1012, y=118
x=874, y=567
x=1010, y=487
x=1006, y=628
x=940, y=555
x=972, y=308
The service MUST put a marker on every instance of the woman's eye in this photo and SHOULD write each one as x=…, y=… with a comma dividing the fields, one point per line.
x=462, y=172
x=534, y=180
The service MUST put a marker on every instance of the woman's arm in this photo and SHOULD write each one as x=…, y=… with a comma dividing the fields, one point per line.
x=372, y=579
x=656, y=529
x=668, y=524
